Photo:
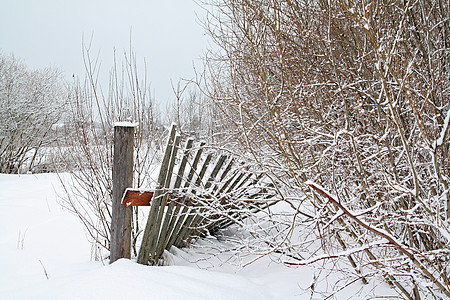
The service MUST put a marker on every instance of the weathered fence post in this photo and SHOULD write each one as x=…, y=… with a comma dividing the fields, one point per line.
x=122, y=176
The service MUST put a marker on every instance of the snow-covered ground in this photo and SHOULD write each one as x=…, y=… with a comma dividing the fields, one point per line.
x=44, y=254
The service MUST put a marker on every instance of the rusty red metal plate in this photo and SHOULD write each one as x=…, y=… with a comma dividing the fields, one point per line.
x=137, y=198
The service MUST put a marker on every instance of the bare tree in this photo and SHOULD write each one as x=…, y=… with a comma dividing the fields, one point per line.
x=345, y=105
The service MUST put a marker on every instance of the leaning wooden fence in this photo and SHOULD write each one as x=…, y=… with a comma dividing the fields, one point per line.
x=198, y=191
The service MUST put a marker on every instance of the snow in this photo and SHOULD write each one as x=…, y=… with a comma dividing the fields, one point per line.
x=126, y=124
x=443, y=133
x=126, y=279
x=44, y=254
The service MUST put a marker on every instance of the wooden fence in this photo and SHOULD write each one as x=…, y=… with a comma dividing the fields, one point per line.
x=199, y=191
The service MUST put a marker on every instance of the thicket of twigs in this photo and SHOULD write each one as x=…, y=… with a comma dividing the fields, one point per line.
x=87, y=149
x=345, y=104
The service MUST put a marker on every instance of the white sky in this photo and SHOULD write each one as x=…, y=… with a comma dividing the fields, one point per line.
x=166, y=33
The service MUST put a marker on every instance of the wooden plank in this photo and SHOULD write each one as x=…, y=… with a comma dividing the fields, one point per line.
x=122, y=176
x=171, y=216
x=164, y=200
x=149, y=232
x=216, y=170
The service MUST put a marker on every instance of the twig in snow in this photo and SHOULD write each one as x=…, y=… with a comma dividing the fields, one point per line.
x=45, y=271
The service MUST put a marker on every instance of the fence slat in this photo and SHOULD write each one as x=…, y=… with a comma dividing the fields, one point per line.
x=185, y=229
x=164, y=198
x=170, y=216
x=183, y=202
x=144, y=251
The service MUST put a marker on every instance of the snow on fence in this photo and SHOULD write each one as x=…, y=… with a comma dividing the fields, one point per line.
x=193, y=196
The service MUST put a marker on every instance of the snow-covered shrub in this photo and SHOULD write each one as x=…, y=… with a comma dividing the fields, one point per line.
x=31, y=103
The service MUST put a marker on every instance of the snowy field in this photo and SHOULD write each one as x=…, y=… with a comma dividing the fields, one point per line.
x=44, y=254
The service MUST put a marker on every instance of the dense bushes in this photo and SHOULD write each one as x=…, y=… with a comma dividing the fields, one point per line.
x=346, y=101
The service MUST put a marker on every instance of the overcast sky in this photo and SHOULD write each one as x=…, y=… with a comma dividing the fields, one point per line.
x=47, y=33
